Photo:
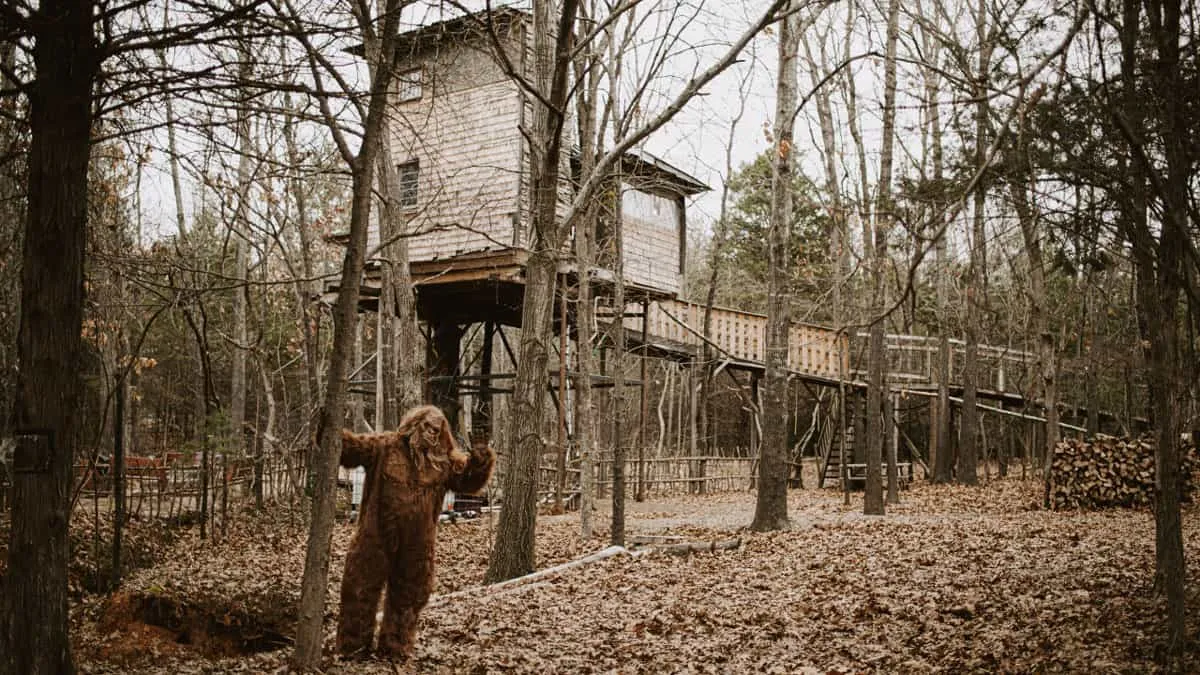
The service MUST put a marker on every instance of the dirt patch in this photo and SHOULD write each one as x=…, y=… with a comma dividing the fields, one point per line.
x=138, y=627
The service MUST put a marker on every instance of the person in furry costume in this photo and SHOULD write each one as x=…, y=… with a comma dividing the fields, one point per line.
x=408, y=473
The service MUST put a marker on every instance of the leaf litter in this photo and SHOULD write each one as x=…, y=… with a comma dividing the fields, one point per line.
x=953, y=580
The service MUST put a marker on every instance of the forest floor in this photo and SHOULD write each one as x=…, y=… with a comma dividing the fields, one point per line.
x=952, y=580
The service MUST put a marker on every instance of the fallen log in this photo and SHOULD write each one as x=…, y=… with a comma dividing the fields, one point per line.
x=602, y=554
x=511, y=585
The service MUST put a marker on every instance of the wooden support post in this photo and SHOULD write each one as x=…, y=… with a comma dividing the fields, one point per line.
x=442, y=363
x=933, y=434
x=481, y=416
x=755, y=436
x=640, y=494
x=891, y=427
x=692, y=417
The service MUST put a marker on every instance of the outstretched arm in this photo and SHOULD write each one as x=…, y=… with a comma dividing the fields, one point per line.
x=357, y=450
x=476, y=473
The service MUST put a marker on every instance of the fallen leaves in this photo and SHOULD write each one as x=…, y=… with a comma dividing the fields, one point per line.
x=953, y=580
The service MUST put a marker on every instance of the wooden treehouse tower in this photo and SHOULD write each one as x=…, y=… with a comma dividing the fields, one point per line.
x=464, y=179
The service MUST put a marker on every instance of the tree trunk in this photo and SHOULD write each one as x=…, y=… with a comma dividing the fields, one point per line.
x=943, y=456
x=1045, y=376
x=1167, y=393
x=118, y=480
x=309, y=631
x=877, y=423
x=770, y=511
x=12, y=203
x=304, y=286
x=241, y=289
x=33, y=631
x=513, y=554
x=586, y=415
x=977, y=278
x=400, y=338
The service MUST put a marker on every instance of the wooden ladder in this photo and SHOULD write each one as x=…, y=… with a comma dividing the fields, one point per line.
x=830, y=469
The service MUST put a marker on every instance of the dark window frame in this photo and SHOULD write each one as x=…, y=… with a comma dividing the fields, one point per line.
x=417, y=83
x=408, y=181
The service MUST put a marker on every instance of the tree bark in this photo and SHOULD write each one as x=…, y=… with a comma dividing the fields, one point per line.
x=943, y=457
x=309, y=632
x=513, y=553
x=586, y=114
x=770, y=510
x=877, y=423
x=977, y=277
x=33, y=633
x=1166, y=390
x=1045, y=374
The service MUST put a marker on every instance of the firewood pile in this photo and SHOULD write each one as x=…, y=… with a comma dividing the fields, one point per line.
x=1111, y=472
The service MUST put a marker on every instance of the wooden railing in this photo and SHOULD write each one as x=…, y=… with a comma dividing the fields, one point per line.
x=817, y=350
x=912, y=359
x=743, y=335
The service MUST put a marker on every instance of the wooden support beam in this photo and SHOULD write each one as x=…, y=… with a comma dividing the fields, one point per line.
x=481, y=417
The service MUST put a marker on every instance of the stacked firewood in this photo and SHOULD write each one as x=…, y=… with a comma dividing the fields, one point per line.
x=1108, y=472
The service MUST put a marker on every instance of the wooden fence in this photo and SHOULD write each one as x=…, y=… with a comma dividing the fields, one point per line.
x=159, y=490
x=662, y=476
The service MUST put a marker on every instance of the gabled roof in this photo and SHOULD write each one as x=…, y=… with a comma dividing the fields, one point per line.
x=642, y=163
x=460, y=26
x=455, y=27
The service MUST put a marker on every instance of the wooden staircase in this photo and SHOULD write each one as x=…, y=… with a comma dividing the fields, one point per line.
x=830, y=466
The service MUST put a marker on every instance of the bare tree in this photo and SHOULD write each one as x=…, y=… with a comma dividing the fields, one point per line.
x=877, y=423
x=363, y=164
x=770, y=512
x=513, y=553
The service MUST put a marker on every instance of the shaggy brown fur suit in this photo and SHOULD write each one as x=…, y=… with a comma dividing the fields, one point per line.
x=408, y=473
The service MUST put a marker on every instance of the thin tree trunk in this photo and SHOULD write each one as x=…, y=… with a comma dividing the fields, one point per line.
x=943, y=458
x=309, y=632
x=1046, y=379
x=237, y=397
x=877, y=423
x=617, y=403
x=585, y=109
x=304, y=285
x=1165, y=367
x=770, y=511
x=513, y=553
x=267, y=446
x=977, y=277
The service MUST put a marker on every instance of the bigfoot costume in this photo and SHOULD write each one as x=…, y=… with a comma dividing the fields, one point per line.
x=408, y=472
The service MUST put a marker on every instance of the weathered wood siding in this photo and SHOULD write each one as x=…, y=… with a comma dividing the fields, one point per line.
x=651, y=227
x=464, y=133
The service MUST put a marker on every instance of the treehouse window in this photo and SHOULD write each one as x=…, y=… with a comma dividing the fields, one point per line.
x=409, y=174
x=411, y=85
